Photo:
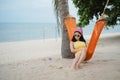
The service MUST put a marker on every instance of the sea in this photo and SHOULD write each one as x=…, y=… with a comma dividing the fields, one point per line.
x=10, y=32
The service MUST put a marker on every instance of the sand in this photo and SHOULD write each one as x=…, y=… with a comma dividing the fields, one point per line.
x=41, y=60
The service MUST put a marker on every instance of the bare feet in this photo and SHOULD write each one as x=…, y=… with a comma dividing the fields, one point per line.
x=77, y=66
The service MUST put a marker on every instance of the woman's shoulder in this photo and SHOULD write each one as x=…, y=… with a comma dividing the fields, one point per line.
x=71, y=42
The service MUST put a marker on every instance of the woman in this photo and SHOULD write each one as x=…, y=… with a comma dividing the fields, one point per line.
x=78, y=47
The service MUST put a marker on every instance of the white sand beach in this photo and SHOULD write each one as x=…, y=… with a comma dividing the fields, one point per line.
x=41, y=60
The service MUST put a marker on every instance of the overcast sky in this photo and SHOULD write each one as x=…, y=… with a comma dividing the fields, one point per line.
x=38, y=11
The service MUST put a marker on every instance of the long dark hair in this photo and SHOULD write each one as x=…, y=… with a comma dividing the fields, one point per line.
x=81, y=38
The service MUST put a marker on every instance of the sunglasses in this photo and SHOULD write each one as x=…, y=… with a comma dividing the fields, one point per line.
x=77, y=35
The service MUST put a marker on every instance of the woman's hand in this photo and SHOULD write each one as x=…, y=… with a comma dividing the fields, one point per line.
x=73, y=50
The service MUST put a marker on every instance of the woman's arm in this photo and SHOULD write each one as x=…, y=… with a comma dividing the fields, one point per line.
x=72, y=47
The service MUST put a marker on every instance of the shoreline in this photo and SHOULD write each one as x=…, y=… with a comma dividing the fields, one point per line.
x=105, y=35
x=32, y=49
x=87, y=37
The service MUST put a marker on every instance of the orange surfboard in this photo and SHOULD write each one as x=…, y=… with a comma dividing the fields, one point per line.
x=94, y=38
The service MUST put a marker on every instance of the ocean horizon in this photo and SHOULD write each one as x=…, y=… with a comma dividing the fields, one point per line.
x=10, y=32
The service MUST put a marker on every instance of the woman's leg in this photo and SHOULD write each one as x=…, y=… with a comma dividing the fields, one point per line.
x=75, y=61
x=81, y=57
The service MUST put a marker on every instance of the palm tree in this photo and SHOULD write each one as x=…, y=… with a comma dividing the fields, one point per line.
x=62, y=10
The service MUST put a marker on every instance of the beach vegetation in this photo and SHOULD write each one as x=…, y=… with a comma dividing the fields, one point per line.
x=90, y=9
x=61, y=11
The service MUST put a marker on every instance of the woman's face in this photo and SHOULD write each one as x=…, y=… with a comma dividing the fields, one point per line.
x=77, y=35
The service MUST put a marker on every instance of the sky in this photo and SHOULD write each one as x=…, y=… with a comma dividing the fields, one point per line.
x=26, y=11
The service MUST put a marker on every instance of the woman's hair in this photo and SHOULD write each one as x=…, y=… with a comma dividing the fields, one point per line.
x=81, y=38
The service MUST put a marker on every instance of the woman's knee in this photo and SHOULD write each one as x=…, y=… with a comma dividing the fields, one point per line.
x=84, y=50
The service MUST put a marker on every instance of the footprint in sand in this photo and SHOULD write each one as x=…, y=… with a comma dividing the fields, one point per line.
x=57, y=67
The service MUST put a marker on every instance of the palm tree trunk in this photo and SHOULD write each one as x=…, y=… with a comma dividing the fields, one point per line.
x=64, y=11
